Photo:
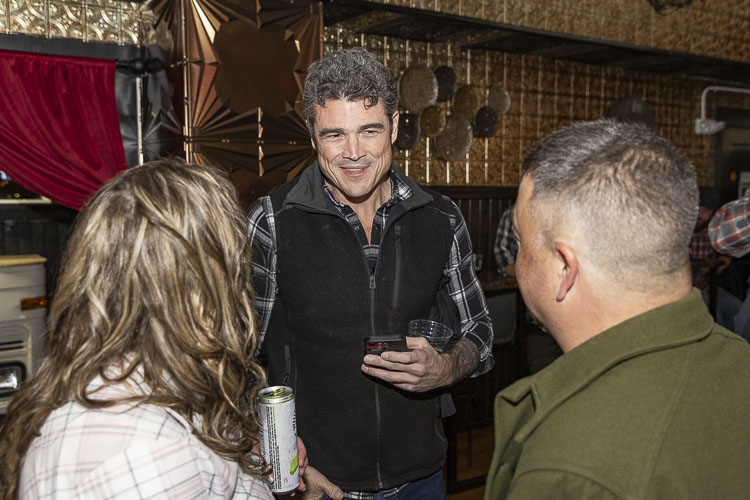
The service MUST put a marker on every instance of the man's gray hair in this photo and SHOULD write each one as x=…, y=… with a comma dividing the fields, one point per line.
x=629, y=191
x=348, y=74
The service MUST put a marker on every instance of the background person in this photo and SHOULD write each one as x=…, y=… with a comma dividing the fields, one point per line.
x=353, y=248
x=650, y=398
x=707, y=264
x=506, y=246
x=729, y=232
x=149, y=385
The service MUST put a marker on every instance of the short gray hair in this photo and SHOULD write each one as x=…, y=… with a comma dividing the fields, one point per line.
x=628, y=190
x=348, y=74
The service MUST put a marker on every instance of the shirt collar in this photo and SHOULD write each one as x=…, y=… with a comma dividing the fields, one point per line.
x=682, y=322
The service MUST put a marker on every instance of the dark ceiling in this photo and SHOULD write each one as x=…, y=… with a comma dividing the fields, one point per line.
x=428, y=26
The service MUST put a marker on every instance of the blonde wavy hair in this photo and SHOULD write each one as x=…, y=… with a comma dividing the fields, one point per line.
x=155, y=277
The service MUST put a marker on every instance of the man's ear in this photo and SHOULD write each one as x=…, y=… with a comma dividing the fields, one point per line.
x=312, y=136
x=569, y=270
x=394, y=127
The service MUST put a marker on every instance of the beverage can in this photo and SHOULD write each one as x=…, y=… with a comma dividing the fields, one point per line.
x=278, y=436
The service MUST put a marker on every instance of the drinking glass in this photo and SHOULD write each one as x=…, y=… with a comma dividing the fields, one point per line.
x=437, y=334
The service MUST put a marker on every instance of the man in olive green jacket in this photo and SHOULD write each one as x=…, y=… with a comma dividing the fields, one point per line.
x=651, y=399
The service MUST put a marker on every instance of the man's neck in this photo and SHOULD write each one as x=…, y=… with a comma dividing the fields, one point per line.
x=607, y=307
x=367, y=207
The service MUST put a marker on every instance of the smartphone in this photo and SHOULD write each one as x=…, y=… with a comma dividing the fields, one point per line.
x=382, y=343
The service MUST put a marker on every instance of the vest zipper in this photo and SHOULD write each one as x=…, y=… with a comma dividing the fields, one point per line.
x=372, y=304
x=378, y=416
x=378, y=423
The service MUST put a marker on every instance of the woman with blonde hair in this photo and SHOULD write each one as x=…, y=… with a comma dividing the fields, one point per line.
x=149, y=385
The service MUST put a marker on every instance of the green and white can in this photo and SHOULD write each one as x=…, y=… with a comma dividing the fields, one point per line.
x=278, y=436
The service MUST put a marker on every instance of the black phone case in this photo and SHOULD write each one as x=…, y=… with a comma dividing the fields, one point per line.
x=381, y=343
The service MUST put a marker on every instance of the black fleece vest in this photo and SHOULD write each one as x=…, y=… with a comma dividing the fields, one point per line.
x=363, y=434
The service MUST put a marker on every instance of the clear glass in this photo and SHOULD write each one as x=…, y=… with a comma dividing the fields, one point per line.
x=437, y=334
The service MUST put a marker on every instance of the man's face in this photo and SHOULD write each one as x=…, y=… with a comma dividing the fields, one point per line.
x=353, y=143
x=534, y=270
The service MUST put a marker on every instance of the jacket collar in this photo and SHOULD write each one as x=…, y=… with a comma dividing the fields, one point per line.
x=309, y=192
x=682, y=322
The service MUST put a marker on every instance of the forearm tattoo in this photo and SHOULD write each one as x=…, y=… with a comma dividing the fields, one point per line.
x=464, y=358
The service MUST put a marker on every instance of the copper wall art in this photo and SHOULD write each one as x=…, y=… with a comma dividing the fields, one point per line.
x=108, y=21
x=239, y=69
x=418, y=88
x=455, y=140
x=468, y=100
x=447, y=82
x=716, y=29
x=540, y=95
x=408, y=131
x=432, y=121
x=498, y=99
x=485, y=123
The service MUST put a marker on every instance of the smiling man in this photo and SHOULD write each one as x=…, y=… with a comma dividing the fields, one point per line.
x=353, y=248
x=650, y=399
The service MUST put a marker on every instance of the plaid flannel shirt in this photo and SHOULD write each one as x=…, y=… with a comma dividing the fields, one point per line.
x=462, y=282
x=506, y=246
x=729, y=229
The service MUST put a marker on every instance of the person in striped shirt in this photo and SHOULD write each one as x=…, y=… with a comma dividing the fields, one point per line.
x=149, y=385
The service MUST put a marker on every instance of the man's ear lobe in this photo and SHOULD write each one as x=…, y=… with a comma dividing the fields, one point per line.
x=312, y=135
x=569, y=261
x=394, y=126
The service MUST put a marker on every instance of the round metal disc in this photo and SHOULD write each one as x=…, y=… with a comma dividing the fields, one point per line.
x=447, y=82
x=486, y=122
x=432, y=121
x=418, y=88
x=633, y=109
x=468, y=100
x=455, y=140
x=408, y=131
x=498, y=99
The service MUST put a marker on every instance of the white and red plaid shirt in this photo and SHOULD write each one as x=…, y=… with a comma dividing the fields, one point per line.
x=729, y=228
x=128, y=451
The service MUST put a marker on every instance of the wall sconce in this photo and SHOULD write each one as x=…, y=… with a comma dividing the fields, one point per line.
x=707, y=126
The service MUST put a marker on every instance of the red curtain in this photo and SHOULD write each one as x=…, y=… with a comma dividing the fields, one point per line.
x=59, y=128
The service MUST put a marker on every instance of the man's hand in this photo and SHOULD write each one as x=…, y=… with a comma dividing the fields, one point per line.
x=724, y=262
x=303, y=463
x=301, y=459
x=317, y=484
x=423, y=368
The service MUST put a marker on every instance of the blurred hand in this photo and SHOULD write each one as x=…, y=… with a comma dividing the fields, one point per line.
x=316, y=484
x=724, y=262
x=419, y=370
x=302, y=464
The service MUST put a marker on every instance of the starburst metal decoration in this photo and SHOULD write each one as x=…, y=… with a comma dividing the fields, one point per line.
x=238, y=70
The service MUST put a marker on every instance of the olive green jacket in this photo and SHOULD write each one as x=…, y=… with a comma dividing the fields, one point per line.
x=656, y=407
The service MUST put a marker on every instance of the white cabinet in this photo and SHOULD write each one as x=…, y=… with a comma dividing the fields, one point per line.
x=23, y=315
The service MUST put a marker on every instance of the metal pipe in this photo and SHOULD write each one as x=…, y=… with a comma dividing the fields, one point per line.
x=718, y=88
x=139, y=116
